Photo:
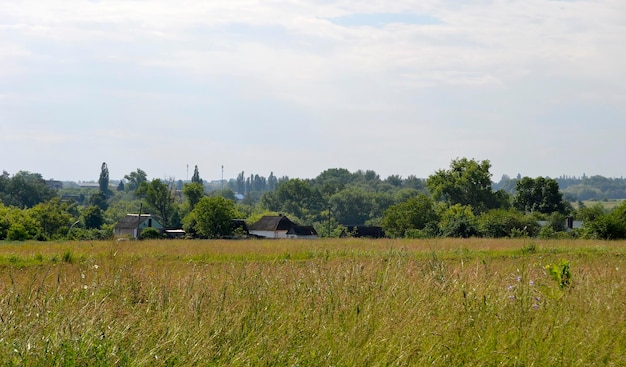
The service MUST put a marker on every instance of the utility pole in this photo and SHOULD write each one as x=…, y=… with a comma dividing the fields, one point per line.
x=222, y=179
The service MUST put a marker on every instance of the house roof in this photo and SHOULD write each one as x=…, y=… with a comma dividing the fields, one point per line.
x=272, y=223
x=130, y=221
x=302, y=231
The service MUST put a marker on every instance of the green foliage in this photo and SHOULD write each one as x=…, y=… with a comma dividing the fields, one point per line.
x=459, y=221
x=352, y=206
x=467, y=183
x=93, y=217
x=194, y=192
x=24, y=189
x=212, y=217
x=538, y=195
x=103, y=181
x=99, y=199
x=150, y=233
x=135, y=179
x=499, y=223
x=560, y=273
x=297, y=197
x=196, y=176
x=414, y=214
x=53, y=218
x=160, y=197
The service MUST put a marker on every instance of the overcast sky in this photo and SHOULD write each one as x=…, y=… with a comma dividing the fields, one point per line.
x=538, y=87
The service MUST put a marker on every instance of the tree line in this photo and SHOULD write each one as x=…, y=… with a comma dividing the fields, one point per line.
x=459, y=201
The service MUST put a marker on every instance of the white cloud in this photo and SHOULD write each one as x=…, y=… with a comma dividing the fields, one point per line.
x=485, y=77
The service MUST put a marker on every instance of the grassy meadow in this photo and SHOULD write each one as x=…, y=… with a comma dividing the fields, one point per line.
x=338, y=302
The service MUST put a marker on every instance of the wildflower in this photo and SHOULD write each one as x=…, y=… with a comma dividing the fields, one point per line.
x=531, y=283
x=519, y=278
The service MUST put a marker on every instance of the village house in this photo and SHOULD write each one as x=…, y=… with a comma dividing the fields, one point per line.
x=132, y=225
x=279, y=226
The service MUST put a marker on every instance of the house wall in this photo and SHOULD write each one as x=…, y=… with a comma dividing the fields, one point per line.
x=269, y=234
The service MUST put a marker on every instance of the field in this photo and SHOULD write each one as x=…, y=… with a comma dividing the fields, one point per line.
x=337, y=302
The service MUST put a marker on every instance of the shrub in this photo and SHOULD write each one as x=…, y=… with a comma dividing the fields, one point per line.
x=151, y=233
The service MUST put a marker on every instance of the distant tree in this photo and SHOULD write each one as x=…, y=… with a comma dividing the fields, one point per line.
x=194, y=192
x=352, y=206
x=196, y=176
x=297, y=197
x=120, y=187
x=609, y=226
x=24, y=189
x=412, y=182
x=17, y=224
x=103, y=182
x=54, y=218
x=416, y=213
x=499, y=223
x=271, y=182
x=135, y=179
x=467, y=183
x=160, y=197
x=93, y=217
x=394, y=180
x=538, y=195
x=99, y=199
x=459, y=221
x=213, y=217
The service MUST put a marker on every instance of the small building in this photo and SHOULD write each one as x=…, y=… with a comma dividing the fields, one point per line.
x=302, y=232
x=128, y=226
x=271, y=226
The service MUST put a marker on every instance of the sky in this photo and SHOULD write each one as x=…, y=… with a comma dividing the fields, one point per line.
x=295, y=87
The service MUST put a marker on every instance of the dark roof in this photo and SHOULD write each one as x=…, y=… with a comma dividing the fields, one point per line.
x=130, y=221
x=302, y=231
x=272, y=223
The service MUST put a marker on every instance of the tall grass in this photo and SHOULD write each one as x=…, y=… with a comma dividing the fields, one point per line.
x=312, y=303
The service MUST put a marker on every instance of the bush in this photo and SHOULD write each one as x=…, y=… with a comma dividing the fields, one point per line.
x=151, y=233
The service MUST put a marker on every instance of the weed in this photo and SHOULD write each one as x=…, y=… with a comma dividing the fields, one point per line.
x=560, y=273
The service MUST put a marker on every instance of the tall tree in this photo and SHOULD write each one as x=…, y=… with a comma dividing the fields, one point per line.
x=213, y=217
x=194, y=192
x=135, y=179
x=24, y=189
x=467, y=182
x=415, y=213
x=160, y=197
x=538, y=195
x=196, y=176
x=103, y=181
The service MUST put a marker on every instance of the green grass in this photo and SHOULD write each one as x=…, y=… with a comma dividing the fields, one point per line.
x=313, y=303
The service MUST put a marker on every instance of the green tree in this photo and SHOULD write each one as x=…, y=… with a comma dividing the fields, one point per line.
x=99, y=199
x=459, y=221
x=352, y=206
x=54, y=218
x=538, y=195
x=417, y=213
x=93, y=217
x=212, y=217
x=135, y=179
x=24, y=189
x=103, y=181
x=467, y=183
x=297, y=197
x=499, y=223
x=196, y=176
x=193, y=192
x=160, y=197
